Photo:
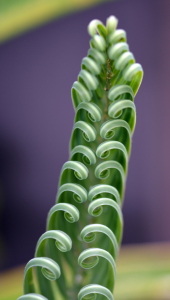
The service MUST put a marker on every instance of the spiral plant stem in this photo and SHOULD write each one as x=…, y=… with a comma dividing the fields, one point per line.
x=91, y=187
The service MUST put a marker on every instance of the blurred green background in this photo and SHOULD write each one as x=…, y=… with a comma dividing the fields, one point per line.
x=17, y=16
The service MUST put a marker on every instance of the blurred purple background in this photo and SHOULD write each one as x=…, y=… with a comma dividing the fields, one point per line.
x=36, y=117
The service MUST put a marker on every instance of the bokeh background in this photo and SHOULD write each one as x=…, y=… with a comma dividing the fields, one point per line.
x=37, y=69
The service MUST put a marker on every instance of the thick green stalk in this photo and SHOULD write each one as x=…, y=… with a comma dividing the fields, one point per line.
x=92, y=182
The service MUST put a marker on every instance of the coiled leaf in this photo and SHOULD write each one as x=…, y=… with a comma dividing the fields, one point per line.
x=84, y=228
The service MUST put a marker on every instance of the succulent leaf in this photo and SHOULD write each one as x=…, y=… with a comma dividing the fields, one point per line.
x=78, y=251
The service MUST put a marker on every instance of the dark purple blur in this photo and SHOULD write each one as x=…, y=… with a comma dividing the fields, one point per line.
x=36, y=117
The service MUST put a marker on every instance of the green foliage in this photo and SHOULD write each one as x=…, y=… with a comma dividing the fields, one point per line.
x=76, y=256
x=18, y=16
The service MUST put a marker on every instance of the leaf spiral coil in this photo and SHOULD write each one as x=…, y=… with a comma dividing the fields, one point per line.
x=100, y=146
x=32, y=296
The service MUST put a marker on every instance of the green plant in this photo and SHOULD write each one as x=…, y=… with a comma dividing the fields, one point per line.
x=91, y=187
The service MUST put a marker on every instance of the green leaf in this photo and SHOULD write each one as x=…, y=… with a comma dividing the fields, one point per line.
x=84, y=229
